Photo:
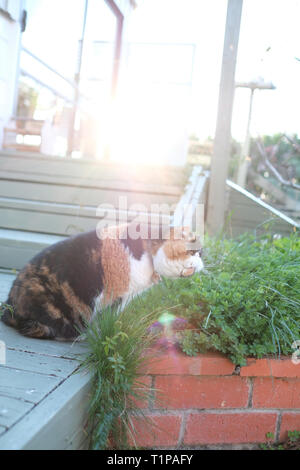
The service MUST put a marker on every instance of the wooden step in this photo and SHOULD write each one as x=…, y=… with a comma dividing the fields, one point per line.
x=18, y=247
x=18, y=130
x=22, y=147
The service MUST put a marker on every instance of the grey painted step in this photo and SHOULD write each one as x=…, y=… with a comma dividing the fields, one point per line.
x=25, y=386
x=56, y=423
x=90, y=169
x=92, y=182
x=39, y=363
x=60, y=219
x=79, y=195
x=11, y=409
x=6, y=280
x=57, y=224
x=17, y=342
x=40, y=377
x=18, y=247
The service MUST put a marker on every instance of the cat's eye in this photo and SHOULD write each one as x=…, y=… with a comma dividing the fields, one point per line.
x=194, y=252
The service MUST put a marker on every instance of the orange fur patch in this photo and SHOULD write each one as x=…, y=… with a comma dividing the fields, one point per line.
x=155, y=246
x=116, y=269
x=53, y=311
x=79, y=307
x=175, y=250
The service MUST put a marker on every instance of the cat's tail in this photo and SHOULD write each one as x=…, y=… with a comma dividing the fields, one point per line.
x=31, y=328
x=34, y=328
x=25, y=327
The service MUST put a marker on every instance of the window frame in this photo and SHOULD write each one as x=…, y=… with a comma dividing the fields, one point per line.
x=118, y=44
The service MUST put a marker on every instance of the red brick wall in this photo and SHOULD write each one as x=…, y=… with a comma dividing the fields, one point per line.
x=205, y=400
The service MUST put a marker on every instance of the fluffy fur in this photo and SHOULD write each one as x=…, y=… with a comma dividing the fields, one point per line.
x=61, y=288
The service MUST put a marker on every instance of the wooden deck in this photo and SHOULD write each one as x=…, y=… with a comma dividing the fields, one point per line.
x=43, y=397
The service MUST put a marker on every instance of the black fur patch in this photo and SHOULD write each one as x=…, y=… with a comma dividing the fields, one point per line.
x=135, y=247
x=55, y=291
x=71, y=261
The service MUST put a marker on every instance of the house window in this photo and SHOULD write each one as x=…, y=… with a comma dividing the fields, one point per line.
x=68, y=74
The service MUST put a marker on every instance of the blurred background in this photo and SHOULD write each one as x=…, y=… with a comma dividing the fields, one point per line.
x=138, y=82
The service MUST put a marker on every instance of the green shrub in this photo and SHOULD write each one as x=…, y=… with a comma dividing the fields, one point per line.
x=247, y=304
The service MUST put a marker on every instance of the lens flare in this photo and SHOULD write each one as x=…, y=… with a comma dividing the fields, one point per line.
x=167, y=328
x=166, y=319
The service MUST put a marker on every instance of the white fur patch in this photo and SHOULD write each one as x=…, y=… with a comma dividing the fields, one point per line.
x=141, y=272
x=97, y=305
x=175, y=268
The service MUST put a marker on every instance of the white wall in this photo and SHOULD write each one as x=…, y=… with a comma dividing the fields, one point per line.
x=9, y=52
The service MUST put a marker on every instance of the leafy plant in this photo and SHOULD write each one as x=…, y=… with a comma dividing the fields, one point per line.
x=274, y=171
x=284, y=154
x=292, y=442
x=248, y=303
x=116, y=354
x=193, y=342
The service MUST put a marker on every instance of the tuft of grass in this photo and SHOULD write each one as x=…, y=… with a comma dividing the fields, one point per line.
x=4, y=307
x=117, y=347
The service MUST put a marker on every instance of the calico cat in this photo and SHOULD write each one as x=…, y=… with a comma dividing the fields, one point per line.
x=60, y=289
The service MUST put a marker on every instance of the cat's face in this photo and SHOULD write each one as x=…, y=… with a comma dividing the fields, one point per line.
x=178, y=256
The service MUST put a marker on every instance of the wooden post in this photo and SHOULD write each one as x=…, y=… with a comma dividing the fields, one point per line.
x=220, y=160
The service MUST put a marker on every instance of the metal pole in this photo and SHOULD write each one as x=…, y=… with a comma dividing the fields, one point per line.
x=220, y=160
x=77, y=83
x=117, y=60
x=259, y=84
x=242, y=170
